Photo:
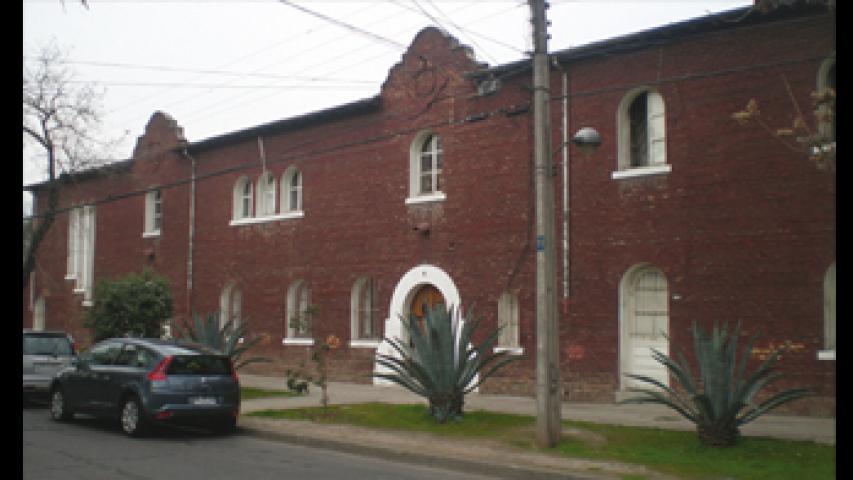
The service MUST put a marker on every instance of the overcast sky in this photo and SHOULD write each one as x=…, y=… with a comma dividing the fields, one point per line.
x=220, y=66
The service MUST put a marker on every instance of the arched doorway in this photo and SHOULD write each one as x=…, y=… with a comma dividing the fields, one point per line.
x=422, y=285
x=644, y=325
x=425, y=299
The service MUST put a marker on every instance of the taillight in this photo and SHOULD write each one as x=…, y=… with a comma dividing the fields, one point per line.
x=234, y=372
x=159, y=372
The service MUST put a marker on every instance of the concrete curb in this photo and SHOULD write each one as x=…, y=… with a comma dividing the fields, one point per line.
x=480, y=457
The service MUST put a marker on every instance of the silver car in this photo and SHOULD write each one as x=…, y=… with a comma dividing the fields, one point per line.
x=143, y=382
x=45, y=354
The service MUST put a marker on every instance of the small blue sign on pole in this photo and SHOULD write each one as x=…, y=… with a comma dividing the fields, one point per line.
x=540, y=243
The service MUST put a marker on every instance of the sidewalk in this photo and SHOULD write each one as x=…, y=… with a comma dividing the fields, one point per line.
x=501, y=460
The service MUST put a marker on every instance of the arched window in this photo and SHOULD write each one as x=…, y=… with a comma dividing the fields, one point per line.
x=243, y=199
x=266, y=195
x=425, y=167
x=365, y=310
x=231, y=306
x=299, y=311
x=291, y=199
x=508, y=320
x=641, y=125
x=826, y=80
x=829, y=308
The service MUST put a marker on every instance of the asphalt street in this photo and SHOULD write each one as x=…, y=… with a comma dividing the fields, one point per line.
x=93, y=449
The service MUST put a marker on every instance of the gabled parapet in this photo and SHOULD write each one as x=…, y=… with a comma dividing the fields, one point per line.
x=162, y=133
x=435, y=67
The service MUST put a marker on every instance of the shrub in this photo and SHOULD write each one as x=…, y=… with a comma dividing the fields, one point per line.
x=725, y=398
x=135, y=305
x=440, y=362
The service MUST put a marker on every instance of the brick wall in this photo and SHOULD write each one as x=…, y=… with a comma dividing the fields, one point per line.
x=742, y=228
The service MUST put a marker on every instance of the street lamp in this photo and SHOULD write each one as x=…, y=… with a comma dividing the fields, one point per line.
x=587, y=139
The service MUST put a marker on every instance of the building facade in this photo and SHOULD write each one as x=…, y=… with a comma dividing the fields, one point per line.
x=341, y=220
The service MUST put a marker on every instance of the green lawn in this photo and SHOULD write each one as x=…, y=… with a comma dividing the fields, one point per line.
x=249, y=393
x=675, y=452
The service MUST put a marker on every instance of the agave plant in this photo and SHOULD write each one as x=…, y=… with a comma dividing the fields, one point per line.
x=725, y=398
x=224, y=339
x=440, y=363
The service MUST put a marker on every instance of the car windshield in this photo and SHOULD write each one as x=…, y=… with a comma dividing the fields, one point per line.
x=199, y=365
x=46, y=345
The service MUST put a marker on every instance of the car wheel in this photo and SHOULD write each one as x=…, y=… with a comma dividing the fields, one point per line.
x=132, y=417
x=59, y=410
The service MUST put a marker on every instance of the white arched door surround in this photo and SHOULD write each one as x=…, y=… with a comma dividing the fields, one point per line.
x=410, y=283
x=643, y=325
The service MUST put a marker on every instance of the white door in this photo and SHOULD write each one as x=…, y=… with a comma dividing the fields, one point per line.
x=645, y=324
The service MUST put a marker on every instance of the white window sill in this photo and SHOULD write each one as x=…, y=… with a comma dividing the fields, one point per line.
x=298, y=341
x=826, y=355
x=433, y=197
x=364, y=343
x=153, y=234
x=71, y=276
x=273, y=218
x=641, y=172
x=511, y=350
x=88, y=303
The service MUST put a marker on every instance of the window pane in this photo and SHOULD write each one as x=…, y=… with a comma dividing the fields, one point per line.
x=639, y=131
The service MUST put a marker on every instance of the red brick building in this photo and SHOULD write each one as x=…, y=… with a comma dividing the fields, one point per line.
x=424, y=193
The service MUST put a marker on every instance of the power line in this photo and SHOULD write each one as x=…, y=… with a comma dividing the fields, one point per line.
x=345, y=25
x=164, y=68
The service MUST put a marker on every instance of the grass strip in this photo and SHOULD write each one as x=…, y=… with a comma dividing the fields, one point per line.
x=250, y=393
x=677, y=453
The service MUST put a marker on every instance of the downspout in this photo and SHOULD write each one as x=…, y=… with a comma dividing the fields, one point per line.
x=565, y=222
x=191, y=244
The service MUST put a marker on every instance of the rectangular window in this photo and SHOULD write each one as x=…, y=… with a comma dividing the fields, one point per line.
x=508, y=320
x=153, y=213
x=81, y=250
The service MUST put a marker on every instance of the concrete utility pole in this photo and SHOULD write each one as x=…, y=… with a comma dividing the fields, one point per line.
x=547, y=334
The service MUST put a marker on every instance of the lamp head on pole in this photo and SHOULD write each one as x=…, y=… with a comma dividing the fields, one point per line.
x=587, y=139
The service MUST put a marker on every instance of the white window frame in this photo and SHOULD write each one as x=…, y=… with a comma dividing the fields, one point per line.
x=829, y=325
x=823, y=82
x=231, y=305
x=359, y=308
x=39, y=318
x=153, y=213
x=266, y=195
x=81, y=251
x=298, y=300
x=288, y=190
x=657, y=162
x=508, y=319
x=243, y=203
x=416, y=153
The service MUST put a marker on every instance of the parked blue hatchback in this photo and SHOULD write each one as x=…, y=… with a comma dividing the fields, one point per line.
x=143, y=382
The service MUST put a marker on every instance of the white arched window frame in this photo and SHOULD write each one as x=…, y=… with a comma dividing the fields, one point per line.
x=291, y=187
x=243, y=199
x=231, y=306
x=641, y=126
x=426, y=160
x=266, y=195
x=366, y=328
x=508, y=321
x=299, y=315
x=829, y=302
